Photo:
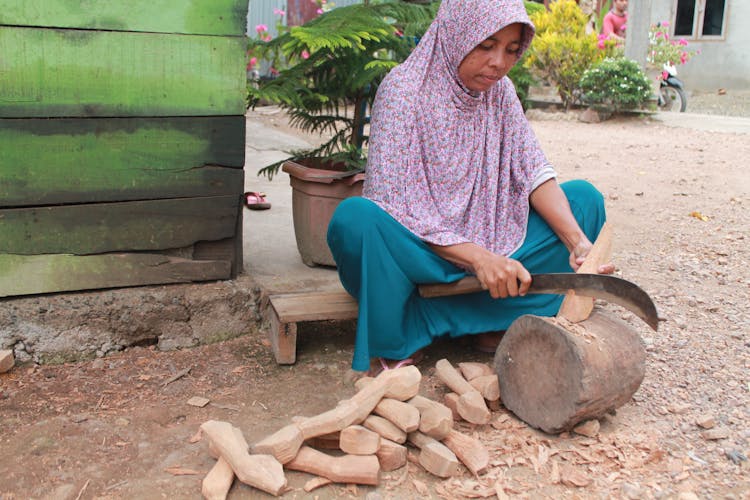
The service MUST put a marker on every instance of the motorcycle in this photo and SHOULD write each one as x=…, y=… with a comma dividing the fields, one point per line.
x=671, y=91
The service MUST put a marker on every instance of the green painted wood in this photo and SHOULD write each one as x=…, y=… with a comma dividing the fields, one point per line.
x=87, y=160
x=75, y=73
x=198, y=17
x=34, y=274
x=114, y=227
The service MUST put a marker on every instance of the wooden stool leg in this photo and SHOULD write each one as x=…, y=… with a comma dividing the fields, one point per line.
x=283, y=337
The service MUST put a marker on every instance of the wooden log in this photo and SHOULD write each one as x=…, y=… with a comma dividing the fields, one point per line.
x=260, y=471
x=576, y=308
x=218, y=481
x=6, y=360
x=360, y=383
x=451, y=402
x=590, y=368
x=283, y=444
x=357, y=440
x=470, y=451
x=488, y=386
x=471, y=405
x=391, y=455
x=471, y=369
x=435, y=419
x=402, y=415
x=385, y=428
x=434, y=456
x=354, y=469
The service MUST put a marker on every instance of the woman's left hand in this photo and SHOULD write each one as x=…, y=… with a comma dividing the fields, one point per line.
x=580, y=252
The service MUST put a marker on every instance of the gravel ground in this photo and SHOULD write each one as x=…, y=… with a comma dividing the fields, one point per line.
x=731, y=103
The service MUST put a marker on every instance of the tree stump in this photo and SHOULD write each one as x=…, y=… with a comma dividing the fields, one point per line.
x=554, y=374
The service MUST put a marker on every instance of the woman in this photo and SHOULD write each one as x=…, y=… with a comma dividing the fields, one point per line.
x=456, y=183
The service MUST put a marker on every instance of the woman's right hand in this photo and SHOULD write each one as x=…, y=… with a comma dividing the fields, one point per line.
x=502, y=276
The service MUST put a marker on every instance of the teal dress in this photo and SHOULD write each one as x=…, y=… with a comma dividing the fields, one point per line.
x=380, y=263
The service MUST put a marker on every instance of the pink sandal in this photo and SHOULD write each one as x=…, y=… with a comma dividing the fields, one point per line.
x=256, y=201
x=414, y=359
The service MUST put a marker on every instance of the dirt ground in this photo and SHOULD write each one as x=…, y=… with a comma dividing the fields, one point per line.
x=121, y=427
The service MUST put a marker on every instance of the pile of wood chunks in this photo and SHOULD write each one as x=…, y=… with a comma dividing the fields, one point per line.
x=370, y=431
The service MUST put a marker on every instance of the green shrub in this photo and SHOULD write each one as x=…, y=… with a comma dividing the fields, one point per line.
x=615, y=84
x=562, y=50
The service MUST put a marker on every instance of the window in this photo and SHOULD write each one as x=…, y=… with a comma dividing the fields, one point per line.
x=700, y=18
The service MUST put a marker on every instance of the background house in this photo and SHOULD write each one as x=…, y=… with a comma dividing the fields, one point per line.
x=720, y=29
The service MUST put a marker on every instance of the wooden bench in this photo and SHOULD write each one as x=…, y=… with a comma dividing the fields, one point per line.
x=288, y=309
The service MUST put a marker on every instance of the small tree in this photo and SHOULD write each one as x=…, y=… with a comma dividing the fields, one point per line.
x=562, y=50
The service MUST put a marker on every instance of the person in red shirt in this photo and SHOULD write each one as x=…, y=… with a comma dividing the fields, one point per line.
x=615, y=20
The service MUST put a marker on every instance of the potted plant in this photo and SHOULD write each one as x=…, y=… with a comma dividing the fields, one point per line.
x=335, y=63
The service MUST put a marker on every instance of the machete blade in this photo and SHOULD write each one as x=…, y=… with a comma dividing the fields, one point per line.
x=599, y=286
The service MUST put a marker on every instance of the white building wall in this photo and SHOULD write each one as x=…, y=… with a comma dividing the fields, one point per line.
x=722, y=63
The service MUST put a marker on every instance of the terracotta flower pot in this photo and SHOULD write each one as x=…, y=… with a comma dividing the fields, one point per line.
x=316, y=192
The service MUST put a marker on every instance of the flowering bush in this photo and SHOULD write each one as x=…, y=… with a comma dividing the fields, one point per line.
x=664, y=50
x=615, y=84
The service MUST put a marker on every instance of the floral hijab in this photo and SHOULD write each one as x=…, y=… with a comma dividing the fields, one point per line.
x=452, y=165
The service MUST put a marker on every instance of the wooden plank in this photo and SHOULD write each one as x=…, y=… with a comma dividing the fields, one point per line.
x=67, y=73
x=229, y=249
x=198, y=17
x=51, y=161
x=314, y=306
x=33, y=274
x=113, y=227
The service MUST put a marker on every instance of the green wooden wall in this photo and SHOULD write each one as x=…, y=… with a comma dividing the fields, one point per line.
x=123, y=137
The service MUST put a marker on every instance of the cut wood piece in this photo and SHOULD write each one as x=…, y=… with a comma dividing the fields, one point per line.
x=6, y=360
x=488, y=386
x=218, y=481
x=403, y=415
x=283, y=444
x=473, y=408
x=354, y=469
x=434, y=456
x=404, y=386
x=471, y=405
x=360, y=383
x=452, y=378
x=400, y=383
x=325, y=442
x=451, y=401
x=590, y=368
x=576, y=308
x=385, y=428
x=391, y=455
x=471, y=369
x=470, y=451
x=357, y=440
x=316, y=483
x=260, y=471
x=435, y=419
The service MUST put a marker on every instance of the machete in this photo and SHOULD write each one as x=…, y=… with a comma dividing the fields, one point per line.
x=598, y=286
